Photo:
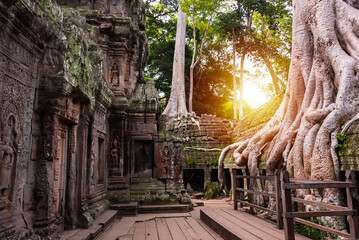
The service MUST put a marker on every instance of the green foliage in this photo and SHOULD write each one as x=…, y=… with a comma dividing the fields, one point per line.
x=191, y=163
x=270, y=34
x=161, y=32
x=82, y=60
x=313, y=233
x=214, y=162
x=261, y=28
x=212, y=190
x=341, y=139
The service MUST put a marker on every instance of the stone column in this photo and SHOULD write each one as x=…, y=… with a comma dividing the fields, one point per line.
x=44, y=216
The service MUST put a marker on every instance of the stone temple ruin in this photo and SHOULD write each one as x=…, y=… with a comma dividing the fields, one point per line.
x=78, y=127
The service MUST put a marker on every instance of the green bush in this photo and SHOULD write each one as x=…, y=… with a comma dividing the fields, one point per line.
x=212, y=190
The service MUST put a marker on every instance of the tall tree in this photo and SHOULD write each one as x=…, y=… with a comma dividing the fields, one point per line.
x=202, y=12
x=230, y=26
x=322, y=93
x=177, y=102
x=250, y=41
x=234, y=74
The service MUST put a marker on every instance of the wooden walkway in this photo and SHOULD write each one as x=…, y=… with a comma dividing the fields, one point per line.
x=237, y=225
x=216, y=220
x=177, y=228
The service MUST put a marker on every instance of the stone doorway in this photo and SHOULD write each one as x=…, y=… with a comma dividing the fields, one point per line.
x=144, y=158
x=60, y=171
x=195, y=178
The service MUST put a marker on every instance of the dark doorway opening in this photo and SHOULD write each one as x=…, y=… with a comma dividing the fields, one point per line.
x=144, y=157
x=195, y=177
x=226, y=178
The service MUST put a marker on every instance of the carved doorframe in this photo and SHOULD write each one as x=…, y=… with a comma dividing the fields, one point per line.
x=61, y=169
x=133, y=153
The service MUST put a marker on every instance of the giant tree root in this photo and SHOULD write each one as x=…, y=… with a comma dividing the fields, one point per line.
x=322, y=93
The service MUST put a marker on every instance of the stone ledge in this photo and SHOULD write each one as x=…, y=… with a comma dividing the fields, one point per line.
x=103, y=222
x=125, y=209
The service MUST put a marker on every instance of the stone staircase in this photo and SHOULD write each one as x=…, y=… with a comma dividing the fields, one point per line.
x=133, y=208
x=101, y=224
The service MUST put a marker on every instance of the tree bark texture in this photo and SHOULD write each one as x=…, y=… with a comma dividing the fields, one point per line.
x=177, y=102
x=195, y=60
x=322, y=93
x=241, y=78
x=234, y=75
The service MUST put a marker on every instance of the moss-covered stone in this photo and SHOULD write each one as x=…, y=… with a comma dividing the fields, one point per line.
x=81, y=66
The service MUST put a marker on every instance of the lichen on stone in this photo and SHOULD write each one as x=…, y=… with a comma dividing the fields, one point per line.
x=82, y=59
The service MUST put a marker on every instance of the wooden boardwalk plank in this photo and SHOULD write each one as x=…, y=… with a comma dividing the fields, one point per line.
x=232, y=231
x=260, y=231
x=132, y=230
x=151, y=230
x=263, y=223
x=255, y=221
x=162, y=229
x=200, y=230
x=140, y=231
x=175, y=230
x=125, y=238
x=186, y=229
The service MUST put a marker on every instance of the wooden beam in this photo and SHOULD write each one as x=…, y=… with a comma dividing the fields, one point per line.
x=278, y=199
x=256, y=206
x=256, y=177
x=234, y=189
x=319, y=185
x=319, y=204
x=353, y=204
x=287, y=207
x=318, y=226
x=256, y=192
x=319, y=214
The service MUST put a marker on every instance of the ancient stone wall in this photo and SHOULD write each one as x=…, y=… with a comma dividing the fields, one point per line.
x=203, y=138
x=203, y=131
x=348, y=149
x=67, y=75
x=19, y=70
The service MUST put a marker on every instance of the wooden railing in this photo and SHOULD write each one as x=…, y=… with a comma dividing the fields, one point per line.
x=284, y=201
x=290, y=216
x=239, y=191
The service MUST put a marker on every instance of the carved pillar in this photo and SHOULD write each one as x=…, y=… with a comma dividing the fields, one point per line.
x=44, y=176
x=72, y=178
x=84, y=218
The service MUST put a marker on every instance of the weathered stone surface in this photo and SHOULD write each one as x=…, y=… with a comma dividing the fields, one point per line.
x=69, y=121
x=348, y=150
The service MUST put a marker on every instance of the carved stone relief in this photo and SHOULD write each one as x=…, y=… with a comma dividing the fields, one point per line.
x=92, y=165
x=100, y=117
x=115, y=75
x=8, y=153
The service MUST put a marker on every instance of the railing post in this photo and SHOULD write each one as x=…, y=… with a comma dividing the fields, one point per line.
x=250, y=195
x=234, y=187
x=287, y=207
x=241, y=185
x=353, y=203
x=278, y=199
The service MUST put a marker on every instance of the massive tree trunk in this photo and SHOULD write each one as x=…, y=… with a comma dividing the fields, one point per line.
x=234, y=75
x=322, y=92
x=241, y=78
x=177, y=103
